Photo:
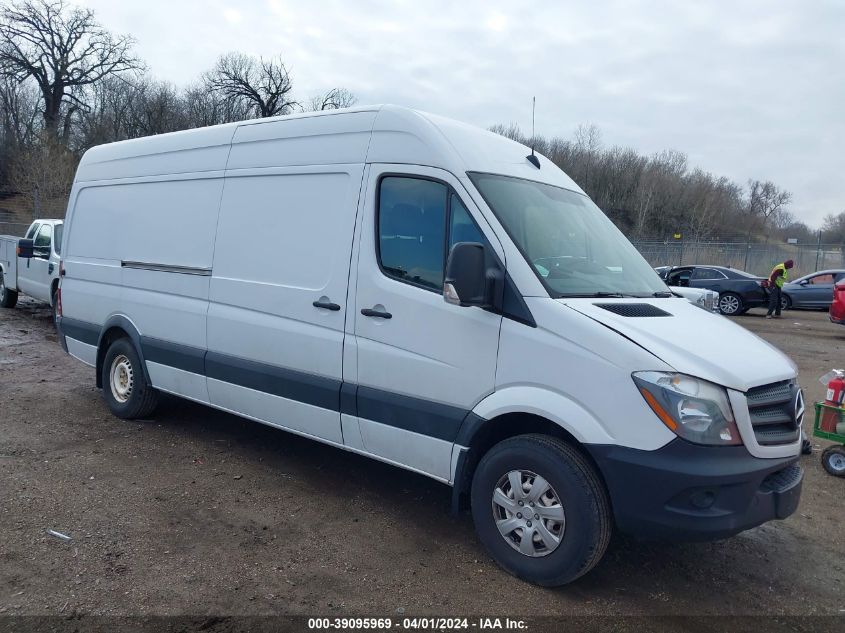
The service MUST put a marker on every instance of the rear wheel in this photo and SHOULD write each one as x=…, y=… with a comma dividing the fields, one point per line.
x=730, y=304
x=833, y=460
x=125, y=389
x=785, y=302
x=8, y=298
x=540, y=509
x=54, y=305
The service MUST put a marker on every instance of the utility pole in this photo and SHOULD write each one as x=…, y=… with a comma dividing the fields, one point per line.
x=818, y=249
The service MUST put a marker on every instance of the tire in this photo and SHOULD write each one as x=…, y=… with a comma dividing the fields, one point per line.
x=54, y=307
x=785, y=302
x=833, y=460
x=582, y=535
x=8, y=298
x=124, y=387
x=730, y=304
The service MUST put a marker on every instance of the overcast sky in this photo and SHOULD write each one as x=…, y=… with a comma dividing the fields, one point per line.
x=747, y=89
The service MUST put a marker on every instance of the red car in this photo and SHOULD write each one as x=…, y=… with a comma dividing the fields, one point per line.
x=837, y=308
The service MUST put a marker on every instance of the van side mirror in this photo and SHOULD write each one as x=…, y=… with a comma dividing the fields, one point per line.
x=466, y=281
x=25, y=249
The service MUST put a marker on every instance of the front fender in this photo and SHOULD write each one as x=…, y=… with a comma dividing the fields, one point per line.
x=556, y=407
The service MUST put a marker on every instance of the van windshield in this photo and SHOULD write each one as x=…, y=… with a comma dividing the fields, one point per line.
x=574, y=248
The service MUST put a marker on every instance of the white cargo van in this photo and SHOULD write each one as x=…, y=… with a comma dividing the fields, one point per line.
x=434, y=296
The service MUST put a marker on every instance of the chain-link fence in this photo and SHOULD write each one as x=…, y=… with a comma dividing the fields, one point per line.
x=755, y=258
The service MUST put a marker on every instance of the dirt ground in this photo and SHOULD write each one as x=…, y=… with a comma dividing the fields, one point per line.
x=200, y=512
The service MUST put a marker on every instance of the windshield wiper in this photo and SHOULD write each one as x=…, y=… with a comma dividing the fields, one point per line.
x=596, y=295
x=663, y=293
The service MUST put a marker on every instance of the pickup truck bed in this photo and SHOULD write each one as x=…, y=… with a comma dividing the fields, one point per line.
x=9, y=260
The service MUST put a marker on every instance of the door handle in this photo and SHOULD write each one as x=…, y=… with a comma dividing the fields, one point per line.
x=380, y=314
x=326, y=305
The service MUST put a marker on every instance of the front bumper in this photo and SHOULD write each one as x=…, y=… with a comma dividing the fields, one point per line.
x=696, y=493
x=837, y=313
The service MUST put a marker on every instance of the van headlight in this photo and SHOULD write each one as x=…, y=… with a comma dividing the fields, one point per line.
x=693, y=409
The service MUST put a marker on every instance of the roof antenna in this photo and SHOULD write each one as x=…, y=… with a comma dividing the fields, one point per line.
x=532, y=158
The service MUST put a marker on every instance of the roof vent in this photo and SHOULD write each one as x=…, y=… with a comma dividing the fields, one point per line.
x=633, y=309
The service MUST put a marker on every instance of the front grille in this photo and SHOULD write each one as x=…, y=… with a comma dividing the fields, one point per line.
x=708, y=302
x=772, y=409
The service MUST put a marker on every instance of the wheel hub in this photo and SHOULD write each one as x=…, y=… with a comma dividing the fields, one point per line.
x=837, y=462
x=528, y=513
x=121, y=378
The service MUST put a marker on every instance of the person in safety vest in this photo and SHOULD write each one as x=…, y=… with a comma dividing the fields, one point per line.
x=776, y=281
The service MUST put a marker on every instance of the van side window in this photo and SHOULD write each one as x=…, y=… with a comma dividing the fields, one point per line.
x=412, y=230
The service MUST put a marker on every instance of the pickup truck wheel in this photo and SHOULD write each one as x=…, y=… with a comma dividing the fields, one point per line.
x=54, y=307
x=540, y=509
x=124, y=387
x=8, y=298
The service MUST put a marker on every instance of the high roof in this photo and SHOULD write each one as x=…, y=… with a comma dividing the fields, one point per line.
x=373, y=134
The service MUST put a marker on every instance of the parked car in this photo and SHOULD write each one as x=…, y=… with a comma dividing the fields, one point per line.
x=811, y=291
x=837, y=306
x=437, y=297
x=30, y=265
x=701, y=297
x=739, y=291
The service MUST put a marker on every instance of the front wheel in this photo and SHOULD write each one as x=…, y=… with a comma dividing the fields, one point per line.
x=730, y=304
x=8, y=298
x=785, y=302
x=540, y=509
x=54, y=308
x=125, y=389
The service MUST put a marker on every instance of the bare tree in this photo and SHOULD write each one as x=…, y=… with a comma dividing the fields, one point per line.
x=263, y=85
x=63, y=49
x=18, y=112
x=334, y=99
x=204, y=107
x=510, y=131
x=19, y=122
x=765, y=199
x=44, y=172
x=833, y=228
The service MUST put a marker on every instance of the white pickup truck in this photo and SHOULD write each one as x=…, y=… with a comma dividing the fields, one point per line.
x=30, y=264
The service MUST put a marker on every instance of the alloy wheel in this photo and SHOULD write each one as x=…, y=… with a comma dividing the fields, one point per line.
x=729, y=304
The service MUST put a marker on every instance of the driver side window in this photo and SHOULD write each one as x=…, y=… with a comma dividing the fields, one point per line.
x=679, y=278
x=419, y=220
x=42, y=241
